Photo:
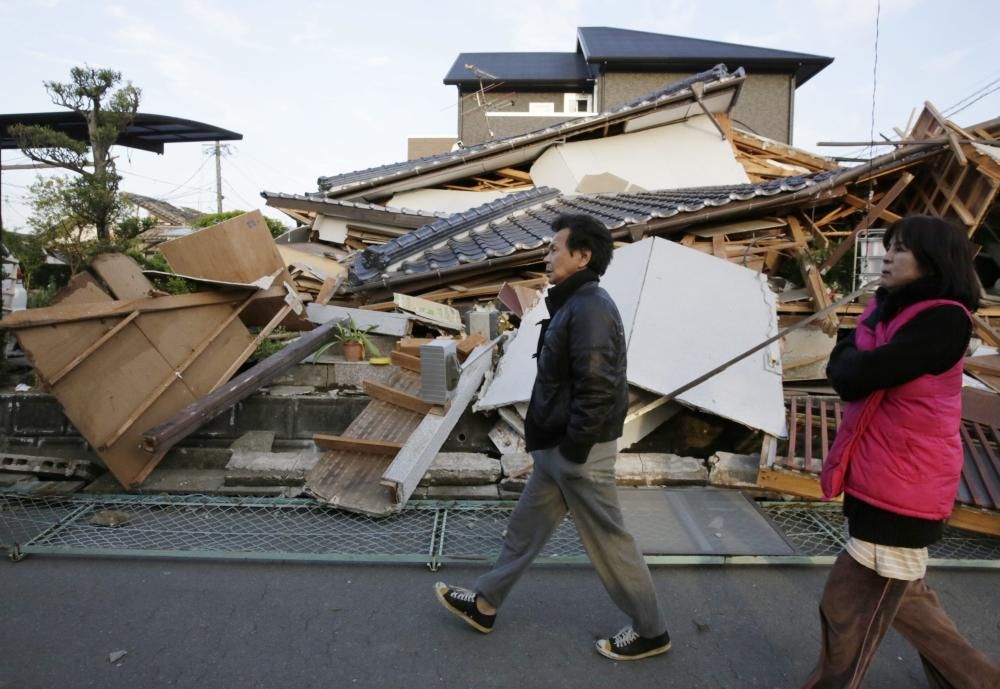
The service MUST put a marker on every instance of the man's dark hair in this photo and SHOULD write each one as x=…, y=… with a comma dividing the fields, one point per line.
x=943, y=251
x=587, y=233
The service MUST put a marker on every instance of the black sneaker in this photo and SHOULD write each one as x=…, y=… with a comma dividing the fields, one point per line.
x=462, y=602
x=628, y=645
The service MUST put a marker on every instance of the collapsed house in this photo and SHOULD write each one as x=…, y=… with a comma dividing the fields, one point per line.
x=706, y=218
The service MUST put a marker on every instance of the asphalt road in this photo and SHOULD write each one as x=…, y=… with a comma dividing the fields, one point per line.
x=281, y=625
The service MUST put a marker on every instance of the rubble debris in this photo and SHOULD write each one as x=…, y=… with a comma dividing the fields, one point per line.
x=49, y=467
x=110, y=518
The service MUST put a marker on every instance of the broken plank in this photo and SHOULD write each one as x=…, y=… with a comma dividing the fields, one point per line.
x=339, y=442
x=519, y=175
x=397, y=397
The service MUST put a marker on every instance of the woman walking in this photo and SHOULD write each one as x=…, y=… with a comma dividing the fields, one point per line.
x=897, y=461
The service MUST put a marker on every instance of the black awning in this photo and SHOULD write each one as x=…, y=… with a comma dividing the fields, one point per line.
x=147, y=132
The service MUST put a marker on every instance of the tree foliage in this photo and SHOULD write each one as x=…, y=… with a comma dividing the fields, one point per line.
x=91, y=198
x=275, y=226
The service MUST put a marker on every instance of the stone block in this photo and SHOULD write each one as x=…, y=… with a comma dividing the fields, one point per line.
x=6, y=414
x=511, y=488
x=514, y=463
x=461, y=469
x=659, y=469
x=355, y=373
x=318, y=375
x=324, y=414
x=262, y=413
x=254, y=441
x=38, y=414
x=488, y=492
x=249, y=468
x=733, y=471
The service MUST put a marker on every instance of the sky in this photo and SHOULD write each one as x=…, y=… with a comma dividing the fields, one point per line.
x=320, y=88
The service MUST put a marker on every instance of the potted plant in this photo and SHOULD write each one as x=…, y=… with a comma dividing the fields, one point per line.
x=355, y=341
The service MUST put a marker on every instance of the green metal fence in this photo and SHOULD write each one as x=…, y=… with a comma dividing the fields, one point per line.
x=424, y=532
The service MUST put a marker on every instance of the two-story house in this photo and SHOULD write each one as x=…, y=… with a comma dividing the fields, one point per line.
x=504, y=94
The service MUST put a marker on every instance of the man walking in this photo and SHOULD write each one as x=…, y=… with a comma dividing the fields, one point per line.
x=575, y=417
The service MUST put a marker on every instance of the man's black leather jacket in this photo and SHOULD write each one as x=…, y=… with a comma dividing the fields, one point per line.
x=580, y=396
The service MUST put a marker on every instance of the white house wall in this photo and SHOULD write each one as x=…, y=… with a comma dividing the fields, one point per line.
x=683, y=154
x=442, y=200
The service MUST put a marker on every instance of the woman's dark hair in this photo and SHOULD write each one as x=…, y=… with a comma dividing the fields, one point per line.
x=943, y=252
x=586, y=232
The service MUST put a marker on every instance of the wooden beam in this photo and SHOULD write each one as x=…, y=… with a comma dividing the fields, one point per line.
x=397, y=397
x=869, y=219
x=976, y=520
x=339, y=442
x=54, y=315
x=519, y=175
x=407, y=361
x=82, y=356
x=165, y=435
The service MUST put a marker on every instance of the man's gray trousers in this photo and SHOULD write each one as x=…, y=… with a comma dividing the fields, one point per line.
x=588, y=492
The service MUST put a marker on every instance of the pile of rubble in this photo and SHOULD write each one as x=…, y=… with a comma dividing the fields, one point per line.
x=439, y=259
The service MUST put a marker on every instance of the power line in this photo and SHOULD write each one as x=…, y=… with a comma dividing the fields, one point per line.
x=973, y=102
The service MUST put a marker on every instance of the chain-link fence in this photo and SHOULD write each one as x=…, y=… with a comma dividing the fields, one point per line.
x=425, y=532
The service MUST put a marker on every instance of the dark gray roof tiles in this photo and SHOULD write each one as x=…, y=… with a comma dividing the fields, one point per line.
x=513, y=69
x=449, y=245
x=625, y=47
x=372, y=261
x=349, y=180
x=318, y=203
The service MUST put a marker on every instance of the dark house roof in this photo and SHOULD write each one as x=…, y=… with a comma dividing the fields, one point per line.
x=602, y=47
x=359, y=183
x=521, y=223
x=147, y=132
x=521, y=70
x=627, y=49
x=167, y=212
x=361, y=211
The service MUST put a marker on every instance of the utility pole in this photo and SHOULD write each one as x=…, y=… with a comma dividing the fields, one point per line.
x=218, y=177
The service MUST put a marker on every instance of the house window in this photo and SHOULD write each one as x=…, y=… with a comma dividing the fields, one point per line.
x=542, y=108
x=578, y=102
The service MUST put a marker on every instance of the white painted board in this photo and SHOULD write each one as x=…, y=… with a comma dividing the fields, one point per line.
x=685, y=313
x=393, y=324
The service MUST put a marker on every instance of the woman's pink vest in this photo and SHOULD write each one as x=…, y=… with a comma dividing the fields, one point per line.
x=899, y=448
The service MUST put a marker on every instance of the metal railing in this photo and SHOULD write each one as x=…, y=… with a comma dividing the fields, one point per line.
x=434, y=533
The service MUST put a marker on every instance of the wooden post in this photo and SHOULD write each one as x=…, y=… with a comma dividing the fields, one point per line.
x=164, y=436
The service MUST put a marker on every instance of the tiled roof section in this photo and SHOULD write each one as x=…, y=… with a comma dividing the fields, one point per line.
x=166, y=212
x=317, y=203
x=603, y=44
x=370, y=263
x=514, y=68
x=531, y=228
x=344, y=182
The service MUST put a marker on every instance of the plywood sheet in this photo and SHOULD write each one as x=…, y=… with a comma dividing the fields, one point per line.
x=323, y=267
x=131, y=382
x=123, y=276
x=82, y=288
x=237, y=250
